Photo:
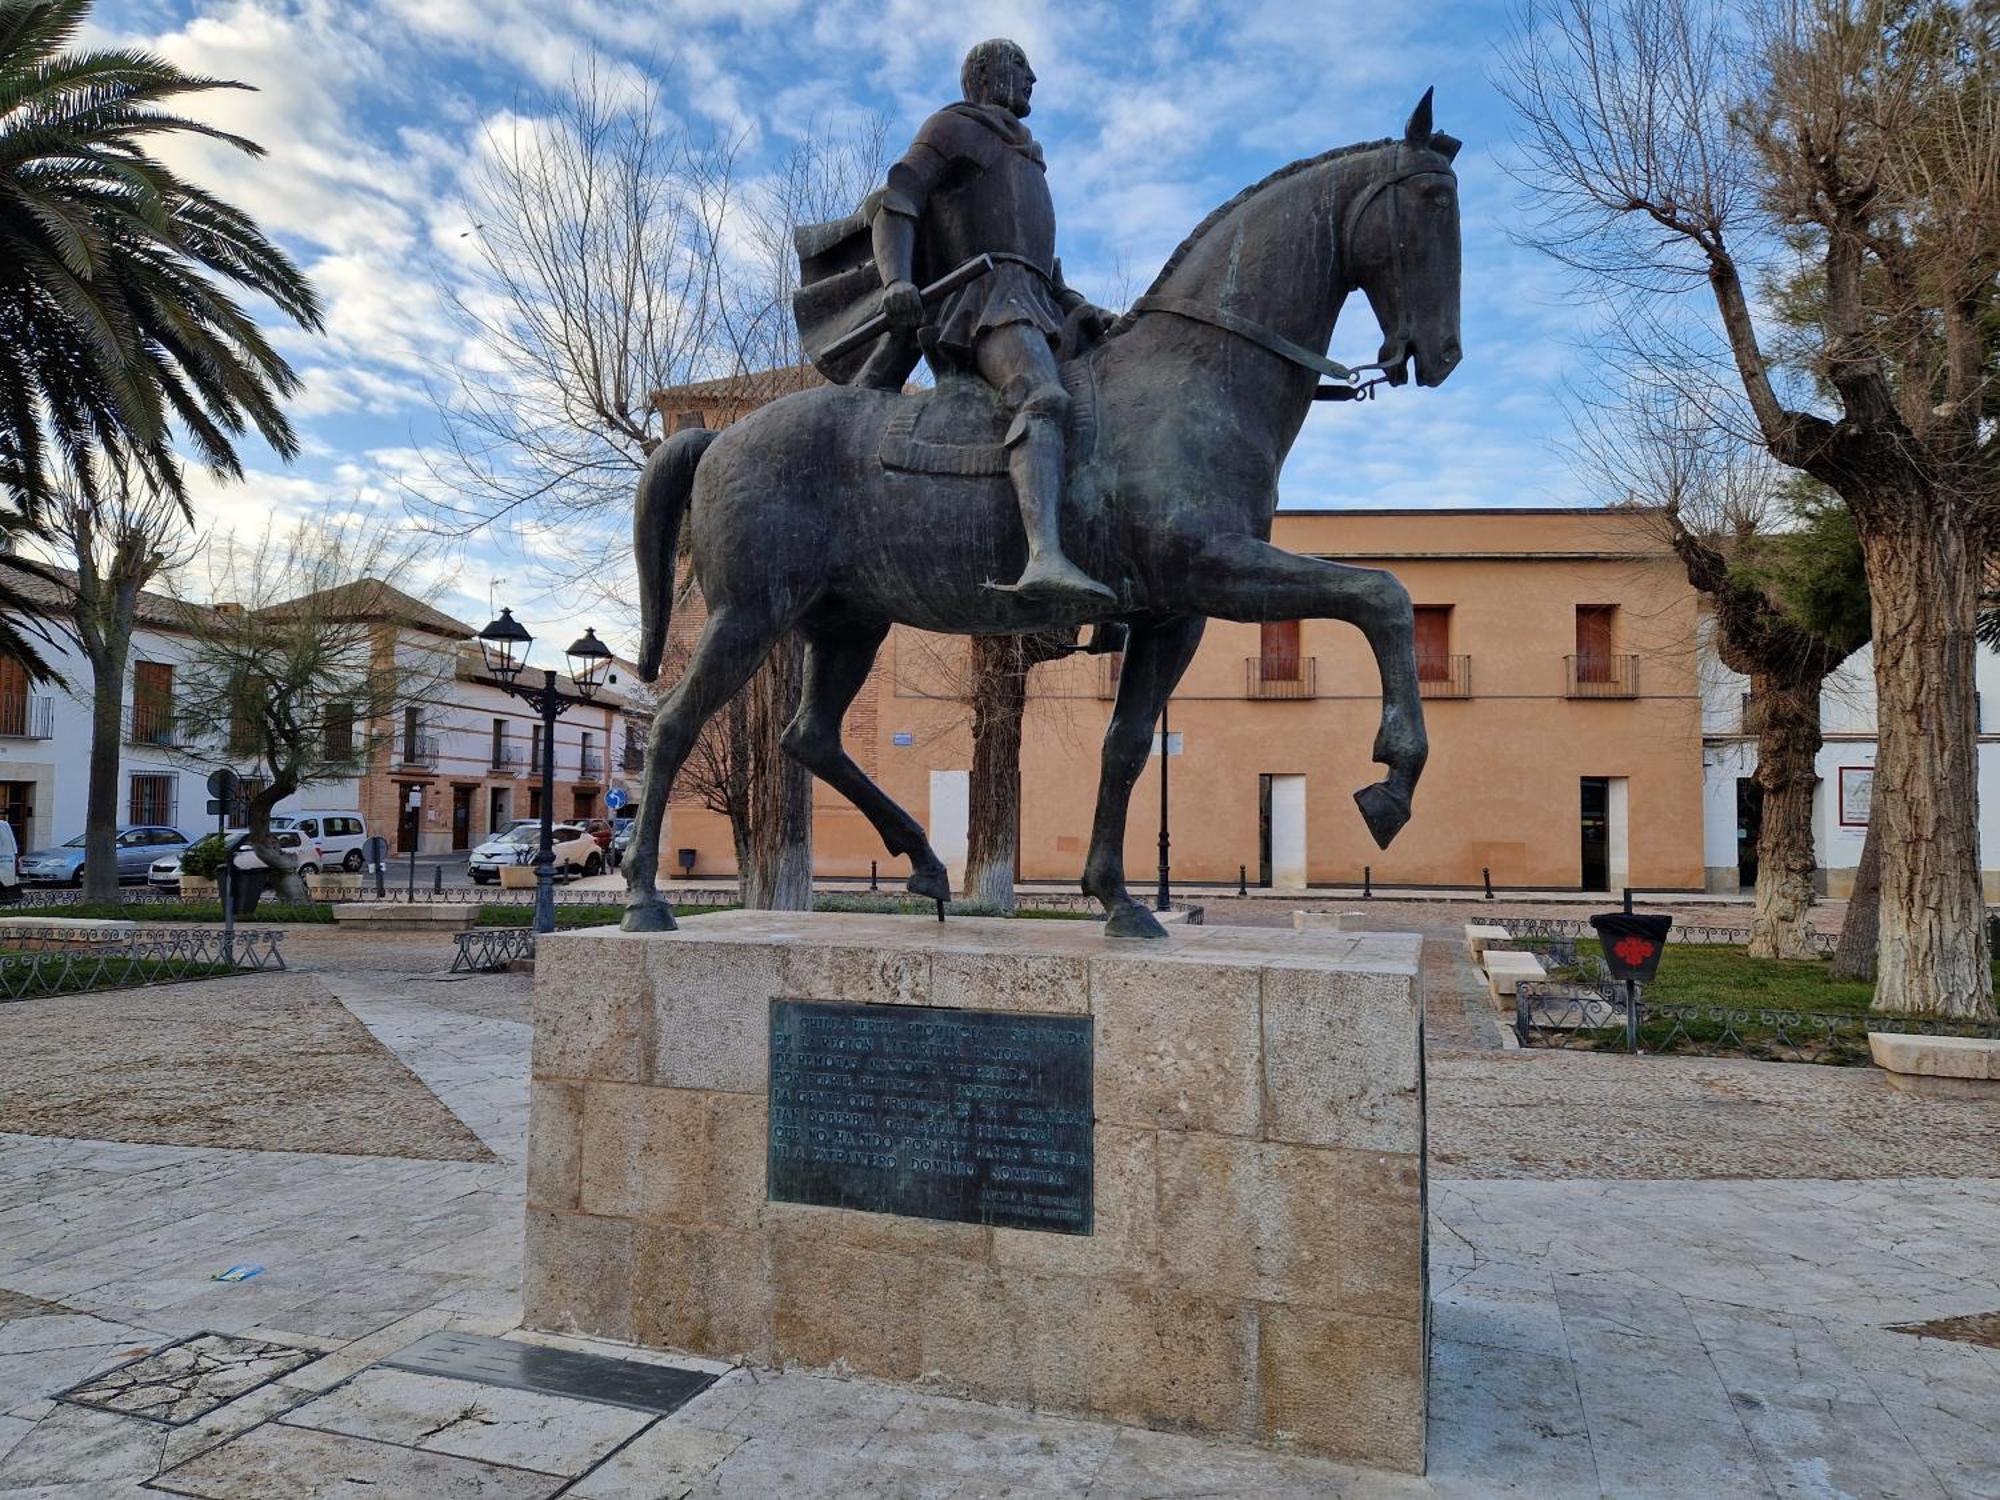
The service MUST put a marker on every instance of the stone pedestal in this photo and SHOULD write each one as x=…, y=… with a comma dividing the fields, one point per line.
x=1256, y=1262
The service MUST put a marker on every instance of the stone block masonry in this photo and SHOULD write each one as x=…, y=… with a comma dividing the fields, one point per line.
x=1255, y=1266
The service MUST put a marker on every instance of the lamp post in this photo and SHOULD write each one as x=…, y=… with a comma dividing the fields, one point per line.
x=504, y=643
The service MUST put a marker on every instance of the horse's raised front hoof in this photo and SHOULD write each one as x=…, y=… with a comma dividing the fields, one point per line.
x=1131, y=920
x=931, y=884
x=1385, y=811
x=649, y=914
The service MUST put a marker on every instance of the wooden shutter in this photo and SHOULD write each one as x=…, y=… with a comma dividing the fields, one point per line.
x=1434, y=642
x=152, y=702
x=1593, y=642
x=13, y=698
x=1278, y=651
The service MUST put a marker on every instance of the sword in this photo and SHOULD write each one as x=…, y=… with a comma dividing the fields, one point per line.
x=871, y=329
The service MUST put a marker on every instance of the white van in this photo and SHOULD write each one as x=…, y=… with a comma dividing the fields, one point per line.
x=10, y=857
x=341, y=835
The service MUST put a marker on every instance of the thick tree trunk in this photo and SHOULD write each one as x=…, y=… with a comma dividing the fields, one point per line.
x=1854, y=953
x=993, y=834
x=779, y=874
x=107, y=737
x=1923, y=579
x=1788, y=742
x=284, y=881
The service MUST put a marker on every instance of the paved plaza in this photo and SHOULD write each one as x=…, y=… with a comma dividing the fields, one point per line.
x=1650, y=1277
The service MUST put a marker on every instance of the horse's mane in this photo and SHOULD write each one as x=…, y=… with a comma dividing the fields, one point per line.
x=1194, y=238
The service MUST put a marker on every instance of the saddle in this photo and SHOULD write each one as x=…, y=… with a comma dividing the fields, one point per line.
x=956, y=427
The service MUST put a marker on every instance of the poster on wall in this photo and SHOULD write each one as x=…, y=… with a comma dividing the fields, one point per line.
x=1857, y=791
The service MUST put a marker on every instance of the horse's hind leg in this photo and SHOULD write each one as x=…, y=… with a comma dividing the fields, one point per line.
x=1241, y=578
x=733, y=644
x=837, y=665
x=1155, y=657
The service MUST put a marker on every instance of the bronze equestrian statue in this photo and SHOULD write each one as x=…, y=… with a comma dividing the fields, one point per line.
x=845, y=510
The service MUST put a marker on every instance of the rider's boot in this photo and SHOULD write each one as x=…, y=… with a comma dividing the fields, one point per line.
x=1035, y=464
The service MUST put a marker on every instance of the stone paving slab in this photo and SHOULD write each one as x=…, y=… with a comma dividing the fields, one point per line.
x=183, y=1381
x=299, y=1463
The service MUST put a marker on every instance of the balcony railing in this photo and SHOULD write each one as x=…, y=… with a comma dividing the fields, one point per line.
x=154, y=724
x=1280, y=676
x=417, y=750
x=1603, y=676
x=1444, y=676
x=507, y=759
x=590, y=766
x=634, y=758
x=27, y=718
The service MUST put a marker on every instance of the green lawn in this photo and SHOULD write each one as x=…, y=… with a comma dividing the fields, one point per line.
x=18, y=976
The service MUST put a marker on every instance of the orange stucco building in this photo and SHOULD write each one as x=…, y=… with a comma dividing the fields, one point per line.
x=1560, y=677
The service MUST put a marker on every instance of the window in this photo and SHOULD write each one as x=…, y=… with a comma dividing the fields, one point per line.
x=239, y=809
x=1594, y=624
x=1278, y=650
x=635, y=748
x=13, y=697
x=499, y=743
x=411, y=727
x=534, y=802
x=339, y=731
x=343, y=828
x=152, y=703
x=1433, y=642
x=153, y=799
x=535, y=747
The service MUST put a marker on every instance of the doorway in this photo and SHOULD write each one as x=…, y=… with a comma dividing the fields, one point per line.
x=1596, y=801
x=1749, y=827
x=409, y=816
x=461, y=817
x=1281, y=831
x=496, y=809
x=17, y=810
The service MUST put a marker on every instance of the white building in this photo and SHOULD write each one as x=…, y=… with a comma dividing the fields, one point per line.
x=1731, y=799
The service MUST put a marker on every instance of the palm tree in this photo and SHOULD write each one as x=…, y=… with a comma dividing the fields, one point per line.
x=118, y=331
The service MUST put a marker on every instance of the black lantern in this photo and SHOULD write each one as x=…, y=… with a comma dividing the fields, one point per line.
x=505, y=645
x=589, y=663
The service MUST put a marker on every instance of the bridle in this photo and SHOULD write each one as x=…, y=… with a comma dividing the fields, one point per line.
x=1348, y=382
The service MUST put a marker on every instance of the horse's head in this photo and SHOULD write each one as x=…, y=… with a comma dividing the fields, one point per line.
x=1400, y=246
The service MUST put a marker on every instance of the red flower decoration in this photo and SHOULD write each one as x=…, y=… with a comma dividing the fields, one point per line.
x=1634, y=950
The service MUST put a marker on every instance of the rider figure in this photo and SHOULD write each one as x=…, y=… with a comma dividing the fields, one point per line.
x=974, y=184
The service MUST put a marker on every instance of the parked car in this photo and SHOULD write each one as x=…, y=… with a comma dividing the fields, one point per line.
x=621, y=840
x=137, y=848
x=599, y=829
x=576, y=851
x=342, y=836
x=165, y=874
x=10, y=859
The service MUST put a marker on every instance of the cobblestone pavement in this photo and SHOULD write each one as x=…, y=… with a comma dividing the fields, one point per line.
x=1593, y=1336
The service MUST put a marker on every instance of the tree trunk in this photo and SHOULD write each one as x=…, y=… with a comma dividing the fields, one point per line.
x=284, y=879
x=1923, y=580
x=779, y=874
x=993, y=834
x=107, y=735
x=1788, y=743
x=1854, y=953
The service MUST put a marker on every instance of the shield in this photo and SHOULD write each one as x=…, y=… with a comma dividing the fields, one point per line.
x=840, y=288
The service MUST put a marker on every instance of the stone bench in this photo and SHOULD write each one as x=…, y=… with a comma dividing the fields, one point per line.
x=1956, y=1064
x=1479, y=934
x=1327, y=921
x=27, y=933
x=1504, y=970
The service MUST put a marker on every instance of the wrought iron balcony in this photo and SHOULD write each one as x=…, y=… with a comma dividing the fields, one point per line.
x=590, y=766
x=507, y=758
x=419, y=750
x=1603, y=676
x=634, y=758
x=1444, y=676
x=154, y=724
x=27, y=718
x=1280, y=676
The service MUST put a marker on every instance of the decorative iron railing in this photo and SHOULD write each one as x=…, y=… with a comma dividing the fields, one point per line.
x=1444, y=676
x=155, y=724
x=485, y=949
x=55, y=961
x=507, y=758
x=1602, y=676
x=27, y=717
x=417, y=750
x=1579, y=927
x=1280, y=676
x=590, y=766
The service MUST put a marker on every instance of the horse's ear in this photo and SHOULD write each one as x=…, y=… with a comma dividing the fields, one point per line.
x=1446, y=145
x=1418, y=131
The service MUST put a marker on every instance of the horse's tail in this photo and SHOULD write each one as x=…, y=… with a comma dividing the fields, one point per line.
x=664, y=487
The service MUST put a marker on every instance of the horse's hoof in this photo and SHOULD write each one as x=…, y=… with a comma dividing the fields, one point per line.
x=1133, y=921
x=1384, y=811
x=649, y=915
x=932, y=885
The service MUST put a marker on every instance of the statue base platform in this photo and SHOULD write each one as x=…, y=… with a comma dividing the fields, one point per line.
x=1174, y=1184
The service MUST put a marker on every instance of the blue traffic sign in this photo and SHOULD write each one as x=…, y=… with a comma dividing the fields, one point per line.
x=616, y=798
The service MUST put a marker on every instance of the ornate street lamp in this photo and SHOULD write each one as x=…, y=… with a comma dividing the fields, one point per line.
x=504, y=643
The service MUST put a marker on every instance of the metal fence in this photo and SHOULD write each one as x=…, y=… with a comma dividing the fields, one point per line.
x=485, y=949
x=1579, y=927
x=36, y=961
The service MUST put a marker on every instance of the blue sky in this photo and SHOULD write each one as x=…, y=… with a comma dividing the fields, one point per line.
x=1150, y=114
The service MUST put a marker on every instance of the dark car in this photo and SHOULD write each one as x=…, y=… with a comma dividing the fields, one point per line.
x=599, y=829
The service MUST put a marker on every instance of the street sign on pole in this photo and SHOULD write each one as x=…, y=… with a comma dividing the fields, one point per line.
x=615, y=798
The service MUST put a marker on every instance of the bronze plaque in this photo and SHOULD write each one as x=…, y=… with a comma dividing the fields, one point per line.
x=979, y=1116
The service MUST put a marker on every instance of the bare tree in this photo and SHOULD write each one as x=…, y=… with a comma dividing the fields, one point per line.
x=299, y=659
x=119, y=539
x=1843, y=158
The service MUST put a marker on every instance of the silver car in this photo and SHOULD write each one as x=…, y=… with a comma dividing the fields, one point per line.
x=137, y=849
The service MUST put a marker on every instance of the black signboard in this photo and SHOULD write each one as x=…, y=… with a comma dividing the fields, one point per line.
x=1632, y=943
x=979, y=1116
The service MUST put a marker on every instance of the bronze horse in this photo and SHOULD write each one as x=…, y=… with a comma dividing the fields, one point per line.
x=1199, y=393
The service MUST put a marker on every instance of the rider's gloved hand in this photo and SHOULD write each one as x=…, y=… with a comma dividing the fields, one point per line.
x=903, y=306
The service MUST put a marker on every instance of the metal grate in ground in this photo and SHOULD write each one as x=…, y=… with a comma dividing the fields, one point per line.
x=552, y=1372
